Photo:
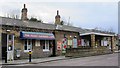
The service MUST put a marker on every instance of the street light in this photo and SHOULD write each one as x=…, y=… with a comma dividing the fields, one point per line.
x=7, y=30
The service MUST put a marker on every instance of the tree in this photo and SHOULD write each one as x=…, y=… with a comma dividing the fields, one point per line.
x=62, y=23
x=65, y=23
x=40, y=21
x=35, y=19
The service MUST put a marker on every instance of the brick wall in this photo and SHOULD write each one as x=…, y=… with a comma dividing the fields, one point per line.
x=86, y=51
x=60, y=36
x=19, y=44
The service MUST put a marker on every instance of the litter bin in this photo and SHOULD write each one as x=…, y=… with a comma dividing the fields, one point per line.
x=18, y=53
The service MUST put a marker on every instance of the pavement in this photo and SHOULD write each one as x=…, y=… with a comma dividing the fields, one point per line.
x=36, y=61
x=33, y=61
x=117, y=51
x=99, y=60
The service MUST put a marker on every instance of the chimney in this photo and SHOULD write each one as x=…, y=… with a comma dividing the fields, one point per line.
x=24, y=13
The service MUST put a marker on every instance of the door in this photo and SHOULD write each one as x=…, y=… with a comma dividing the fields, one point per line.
x=54, y=48
x=4, y=46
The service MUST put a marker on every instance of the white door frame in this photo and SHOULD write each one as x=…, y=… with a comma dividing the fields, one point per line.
x=10, y=54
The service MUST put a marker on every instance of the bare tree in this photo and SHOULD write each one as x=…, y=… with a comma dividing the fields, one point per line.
x=35, y=19
x=110, y=29
x=13, y=14
x=68, y=23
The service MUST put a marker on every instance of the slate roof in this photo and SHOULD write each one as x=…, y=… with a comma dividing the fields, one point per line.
x=69, y=28
x=18, y=22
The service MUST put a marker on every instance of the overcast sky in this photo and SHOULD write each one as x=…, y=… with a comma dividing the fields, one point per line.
x=84, y=13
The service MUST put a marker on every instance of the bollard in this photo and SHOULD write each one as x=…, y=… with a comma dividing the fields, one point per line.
x=30, y=56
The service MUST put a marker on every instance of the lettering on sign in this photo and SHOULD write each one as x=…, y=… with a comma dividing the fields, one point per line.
x=37, y=36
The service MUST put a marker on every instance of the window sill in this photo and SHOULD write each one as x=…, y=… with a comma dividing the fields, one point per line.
x=46, y=50
x=27, y=50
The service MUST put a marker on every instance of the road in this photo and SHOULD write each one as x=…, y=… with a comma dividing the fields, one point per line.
x=101, y=60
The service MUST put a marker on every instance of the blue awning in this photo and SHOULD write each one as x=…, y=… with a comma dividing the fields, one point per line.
x=36, y=35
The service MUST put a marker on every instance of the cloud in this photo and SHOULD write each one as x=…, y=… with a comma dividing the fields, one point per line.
x=60, y=1
x=82, y=14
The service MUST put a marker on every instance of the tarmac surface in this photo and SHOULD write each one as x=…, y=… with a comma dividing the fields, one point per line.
x=100, y=60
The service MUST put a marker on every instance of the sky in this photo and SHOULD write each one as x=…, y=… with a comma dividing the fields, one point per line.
x=87, y=14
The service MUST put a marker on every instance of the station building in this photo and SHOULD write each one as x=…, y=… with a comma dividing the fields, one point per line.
x=19, y=36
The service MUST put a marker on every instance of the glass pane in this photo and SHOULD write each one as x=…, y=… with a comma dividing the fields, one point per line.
x=47, y=44
x=50, y=44
x=39, y=43
x=25, y=46
x=10, y=37
x=42, y=43
x=43, y=46
x=29, y=42
x=29, y=45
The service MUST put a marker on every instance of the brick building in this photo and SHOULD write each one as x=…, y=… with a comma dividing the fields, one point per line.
x=42, y=39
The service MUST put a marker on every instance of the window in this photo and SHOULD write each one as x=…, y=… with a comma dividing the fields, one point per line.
x=37, y=43
x=42, y=43
x=28, y=45
x=10, y=42
x=25, y=46
x=10, y=37
x=46, y=46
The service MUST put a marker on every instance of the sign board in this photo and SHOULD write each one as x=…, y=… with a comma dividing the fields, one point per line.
x=74, y=43
x=82, y=42
x=59, y=45
x=36, y=35
x=105, y=43
x=64, y=45
x=70, y=42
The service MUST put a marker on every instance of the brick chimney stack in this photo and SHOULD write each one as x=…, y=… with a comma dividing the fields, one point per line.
x=24, y=13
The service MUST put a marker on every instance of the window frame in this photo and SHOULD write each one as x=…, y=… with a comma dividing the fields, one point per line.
x=37, y=43
x=28, y=40
x=46, y=46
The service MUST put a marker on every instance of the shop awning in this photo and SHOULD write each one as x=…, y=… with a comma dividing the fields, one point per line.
x=36, y=35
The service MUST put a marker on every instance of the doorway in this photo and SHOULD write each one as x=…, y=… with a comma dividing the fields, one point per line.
x=4, y=46
x=7, y=46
